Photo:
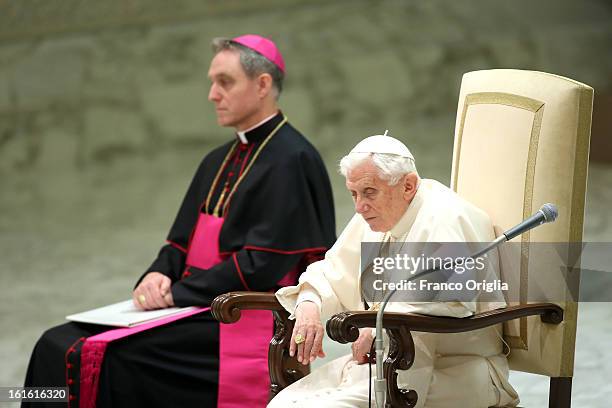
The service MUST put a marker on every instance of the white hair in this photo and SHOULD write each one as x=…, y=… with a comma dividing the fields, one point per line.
x=391, y=167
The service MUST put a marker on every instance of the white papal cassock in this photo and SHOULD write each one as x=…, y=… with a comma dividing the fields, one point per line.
x=450, y=370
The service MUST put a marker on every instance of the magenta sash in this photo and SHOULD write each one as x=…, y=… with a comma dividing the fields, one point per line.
x=243, y=346
x=92, y=354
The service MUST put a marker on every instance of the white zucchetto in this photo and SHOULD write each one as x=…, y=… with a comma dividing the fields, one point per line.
x=382, y=144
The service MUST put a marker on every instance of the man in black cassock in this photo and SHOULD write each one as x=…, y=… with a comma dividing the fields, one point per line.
x=270, y=191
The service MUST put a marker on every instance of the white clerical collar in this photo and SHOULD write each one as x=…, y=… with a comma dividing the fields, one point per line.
x=405, y=222
x=242, y=133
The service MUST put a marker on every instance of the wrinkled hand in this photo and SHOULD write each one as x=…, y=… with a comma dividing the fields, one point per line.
x=362, y=345
x=155, y=287
x=308, y=325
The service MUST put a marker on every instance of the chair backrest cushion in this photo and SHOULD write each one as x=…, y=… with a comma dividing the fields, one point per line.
x=522, y=140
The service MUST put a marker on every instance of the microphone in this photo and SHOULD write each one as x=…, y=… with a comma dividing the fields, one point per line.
x=547, y=213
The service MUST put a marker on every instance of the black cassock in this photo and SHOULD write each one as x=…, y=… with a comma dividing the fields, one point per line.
x=280, y=217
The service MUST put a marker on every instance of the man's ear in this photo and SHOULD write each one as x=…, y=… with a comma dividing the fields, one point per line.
x=411, y=181
x=264, y=85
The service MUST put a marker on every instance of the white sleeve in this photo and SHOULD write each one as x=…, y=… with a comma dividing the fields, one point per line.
x=308, y=294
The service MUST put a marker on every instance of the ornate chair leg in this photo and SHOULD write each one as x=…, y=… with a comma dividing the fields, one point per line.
x=284, y=370
x=401, y=357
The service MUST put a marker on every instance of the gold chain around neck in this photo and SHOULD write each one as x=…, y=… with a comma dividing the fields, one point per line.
x=216, y=211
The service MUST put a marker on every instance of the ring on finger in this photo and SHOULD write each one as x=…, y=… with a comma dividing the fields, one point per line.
x=299, y=339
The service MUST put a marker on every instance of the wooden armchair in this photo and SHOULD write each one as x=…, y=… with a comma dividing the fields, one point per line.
x=521, y=140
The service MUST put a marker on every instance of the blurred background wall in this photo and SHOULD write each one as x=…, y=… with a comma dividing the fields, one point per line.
x=104, y=117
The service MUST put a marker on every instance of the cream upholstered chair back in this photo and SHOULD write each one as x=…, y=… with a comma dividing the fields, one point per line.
x=522, y=140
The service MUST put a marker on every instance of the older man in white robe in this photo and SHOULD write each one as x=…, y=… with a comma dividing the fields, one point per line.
x=393, y=204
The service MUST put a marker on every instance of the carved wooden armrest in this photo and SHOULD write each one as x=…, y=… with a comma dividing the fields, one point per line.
x=284, y=370
x=344, y=328
x=226, y=307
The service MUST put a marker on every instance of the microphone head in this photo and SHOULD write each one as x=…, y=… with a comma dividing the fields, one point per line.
x=550, y=212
